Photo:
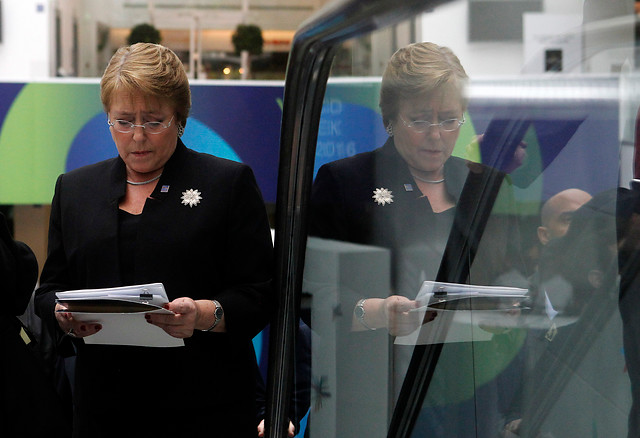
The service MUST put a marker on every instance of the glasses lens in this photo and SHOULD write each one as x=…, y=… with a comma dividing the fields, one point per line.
x=154, y=127
x=420, y=125
x=122, y=126
x=450, y=125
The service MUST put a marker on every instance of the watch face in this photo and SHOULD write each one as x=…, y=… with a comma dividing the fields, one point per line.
x=359, y=311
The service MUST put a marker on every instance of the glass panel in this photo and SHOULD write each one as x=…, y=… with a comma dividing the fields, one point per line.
x=498, y=282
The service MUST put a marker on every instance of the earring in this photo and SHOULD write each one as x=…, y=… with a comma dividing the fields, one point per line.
x=389, y=129
x=180, y=130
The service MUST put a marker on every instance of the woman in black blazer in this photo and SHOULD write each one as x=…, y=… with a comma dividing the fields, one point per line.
x=406, y=194
x=161, y=212
x=412, y=197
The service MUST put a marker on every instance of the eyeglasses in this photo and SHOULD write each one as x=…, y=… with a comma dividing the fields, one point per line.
x=126, y=127
x=423, y=125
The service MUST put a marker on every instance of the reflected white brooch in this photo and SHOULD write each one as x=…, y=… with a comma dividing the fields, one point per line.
x=382, y=196
x=191, y=197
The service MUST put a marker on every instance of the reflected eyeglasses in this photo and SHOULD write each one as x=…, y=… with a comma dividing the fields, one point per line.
x=421, y=126
x=126, y=127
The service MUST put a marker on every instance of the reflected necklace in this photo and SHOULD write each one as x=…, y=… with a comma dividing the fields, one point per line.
x=428, y=181
x=141, y=183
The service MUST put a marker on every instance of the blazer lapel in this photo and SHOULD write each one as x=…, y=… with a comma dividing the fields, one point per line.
x=107, y=213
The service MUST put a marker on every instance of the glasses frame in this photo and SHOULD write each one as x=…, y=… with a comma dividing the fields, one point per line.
x=132, y=126
x=411, y=125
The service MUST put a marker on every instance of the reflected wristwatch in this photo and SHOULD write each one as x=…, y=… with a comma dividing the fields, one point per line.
x=359, y=312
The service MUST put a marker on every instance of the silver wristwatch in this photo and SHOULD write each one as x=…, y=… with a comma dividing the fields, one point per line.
x=217, y=314
x=359, y=312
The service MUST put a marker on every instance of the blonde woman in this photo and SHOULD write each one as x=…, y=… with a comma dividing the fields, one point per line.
x=160, y=212
x=412, y=196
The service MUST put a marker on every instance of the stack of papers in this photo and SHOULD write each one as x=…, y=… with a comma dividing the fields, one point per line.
x=121, y=312
x=454, y=296
x=465, y=312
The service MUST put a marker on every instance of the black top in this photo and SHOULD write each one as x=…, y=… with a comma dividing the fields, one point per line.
x=127, y=242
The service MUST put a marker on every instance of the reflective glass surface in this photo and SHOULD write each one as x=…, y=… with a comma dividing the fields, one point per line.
x=479, y=282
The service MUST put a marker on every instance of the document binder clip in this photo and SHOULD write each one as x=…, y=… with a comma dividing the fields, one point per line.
x=145, y=296
x=440, y=293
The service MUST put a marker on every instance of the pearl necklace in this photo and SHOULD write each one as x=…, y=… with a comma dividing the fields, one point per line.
x=141, y=183
x=428, y=181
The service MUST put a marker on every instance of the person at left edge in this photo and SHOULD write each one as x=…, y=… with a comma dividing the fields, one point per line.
x=29, y=403
x=160, y=212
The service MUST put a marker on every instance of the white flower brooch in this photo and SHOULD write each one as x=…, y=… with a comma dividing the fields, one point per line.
x=191, y=197
x=382, y=196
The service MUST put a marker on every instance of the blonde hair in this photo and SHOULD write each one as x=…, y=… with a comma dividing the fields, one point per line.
x=151, y=70
x=419, y=69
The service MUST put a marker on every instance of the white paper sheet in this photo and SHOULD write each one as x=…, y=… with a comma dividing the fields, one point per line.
x=120, y=328
x=128, y=329
x=463, y=325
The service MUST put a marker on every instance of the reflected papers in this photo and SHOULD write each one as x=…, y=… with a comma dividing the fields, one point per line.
x=465, y=312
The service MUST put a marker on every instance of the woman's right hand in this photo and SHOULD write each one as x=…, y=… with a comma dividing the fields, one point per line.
x=73, y=327
x=393, y=313
x=400, y=320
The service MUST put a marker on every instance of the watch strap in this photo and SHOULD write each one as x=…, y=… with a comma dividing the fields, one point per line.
x=217, y=313
x=360, y=313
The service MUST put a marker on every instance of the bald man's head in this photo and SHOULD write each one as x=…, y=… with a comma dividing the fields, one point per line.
x=557, y=213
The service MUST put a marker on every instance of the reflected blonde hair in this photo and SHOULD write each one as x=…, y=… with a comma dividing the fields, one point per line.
x=151, y=70
x=420, y=69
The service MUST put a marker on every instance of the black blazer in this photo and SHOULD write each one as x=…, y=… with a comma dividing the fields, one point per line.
x=421, y=243
x=343, y=208
x=220, y=248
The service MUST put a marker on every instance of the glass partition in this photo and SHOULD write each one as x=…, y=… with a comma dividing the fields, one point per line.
x=471, y=251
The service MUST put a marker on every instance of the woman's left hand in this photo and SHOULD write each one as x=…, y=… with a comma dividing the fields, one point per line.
x=182, y=323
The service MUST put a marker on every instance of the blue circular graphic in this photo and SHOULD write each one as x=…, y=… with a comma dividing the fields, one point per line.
x=347, y=129
x=201, y=138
